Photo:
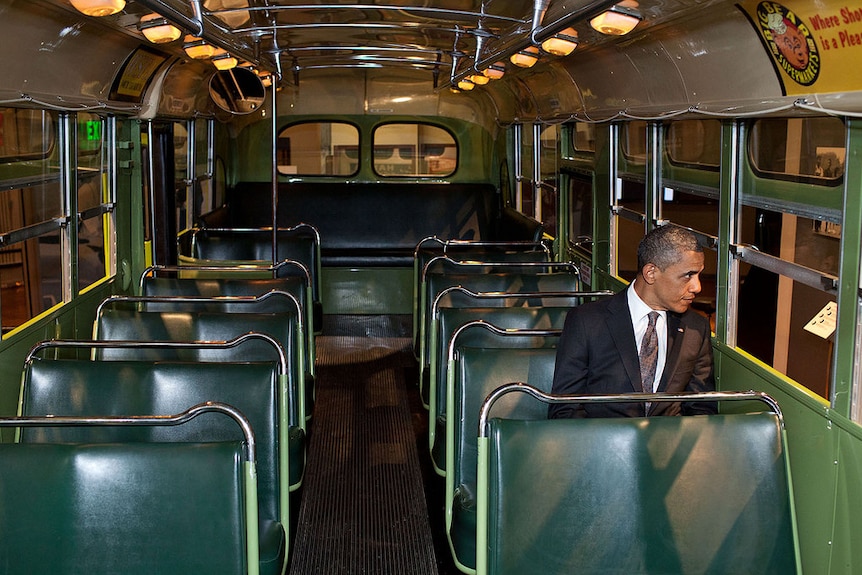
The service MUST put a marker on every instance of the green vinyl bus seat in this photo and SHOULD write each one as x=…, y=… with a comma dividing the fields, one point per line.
x=370, y=224
x=159, y=281
x=299, y=243
x=519, y=279
x=484, y=358
x=469, y=250
x=448, y=323
x=127, y=318
x=696, y=494
x=500, y=265
x=88, y=388
x=133, y=508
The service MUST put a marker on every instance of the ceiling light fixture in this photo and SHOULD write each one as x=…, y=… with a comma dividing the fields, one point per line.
x=99, y=7
x=224, y=61
x=526, y=58
x=562, y=43
x=465, y=85
x=229, y=11
x=479, y=79
x=495, y=71
x=157, y=29
x=197, y=48
x=620, y=19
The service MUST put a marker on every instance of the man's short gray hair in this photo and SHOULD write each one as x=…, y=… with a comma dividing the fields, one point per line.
x=665, y=246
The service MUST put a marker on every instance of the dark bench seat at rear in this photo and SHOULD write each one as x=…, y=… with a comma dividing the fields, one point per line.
x=373, y=224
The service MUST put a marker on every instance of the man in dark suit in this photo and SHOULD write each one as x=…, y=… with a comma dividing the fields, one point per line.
x=599, y=347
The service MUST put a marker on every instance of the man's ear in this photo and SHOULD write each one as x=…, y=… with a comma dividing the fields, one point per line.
x=649, y=272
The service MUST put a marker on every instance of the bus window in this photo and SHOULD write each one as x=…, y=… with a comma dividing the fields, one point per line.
x=181, y=167
x=798, y=149
x=580, y=213
x=584, y=138
x=93, y=199
x=524, y=178
x=547, y=214
x=31, y=215
x=318, y=149
x=27, y=134
x=774, y=309
x=205, y=200
x=30, y=266
x=414, y=150
x=693, y=202
x=694, y=143
x=630, y=206
x=633, y=142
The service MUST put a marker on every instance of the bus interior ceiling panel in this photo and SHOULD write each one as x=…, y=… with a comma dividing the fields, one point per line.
x=686, y=64
x=676, y=58
x=66, y=57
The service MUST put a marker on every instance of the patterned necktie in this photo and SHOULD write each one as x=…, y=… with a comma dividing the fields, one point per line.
x=649, y=354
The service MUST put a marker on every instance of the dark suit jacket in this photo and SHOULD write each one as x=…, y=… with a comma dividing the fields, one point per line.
x=597, y=354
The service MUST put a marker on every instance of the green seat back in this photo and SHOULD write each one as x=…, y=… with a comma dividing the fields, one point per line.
x=513, y=282
x=429, y=249
x=448, y=321
x=700, y=494
x=300, y=244
x=119, y=324
x=126, y=387
x=135, y=508
x=219, y=287
x=477, y=372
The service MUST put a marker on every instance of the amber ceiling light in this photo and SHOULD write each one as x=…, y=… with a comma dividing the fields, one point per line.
x=197, y=48
x=224, y=61
x=157, y=29
x=620, y=19
x=495, y=71
x=526, y=58
x=99, y=7
x=479, y=79
x=465, y=84
x=562, y=43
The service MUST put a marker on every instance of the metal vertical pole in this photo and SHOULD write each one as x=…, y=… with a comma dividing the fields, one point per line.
x=274, y=174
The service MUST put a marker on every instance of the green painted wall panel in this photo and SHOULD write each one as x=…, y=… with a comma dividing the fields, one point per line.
x=367, y=290
x=845, y=543
x=827, y=495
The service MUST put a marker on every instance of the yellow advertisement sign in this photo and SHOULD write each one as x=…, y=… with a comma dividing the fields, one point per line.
x=136, y=74
x=812, y=44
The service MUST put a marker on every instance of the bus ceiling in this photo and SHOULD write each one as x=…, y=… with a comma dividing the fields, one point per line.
x=489, y=61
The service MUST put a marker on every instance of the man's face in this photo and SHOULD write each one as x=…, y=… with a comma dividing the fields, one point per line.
x=676, y=286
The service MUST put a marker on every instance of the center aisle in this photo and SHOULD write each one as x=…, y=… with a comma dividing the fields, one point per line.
x=363, y=505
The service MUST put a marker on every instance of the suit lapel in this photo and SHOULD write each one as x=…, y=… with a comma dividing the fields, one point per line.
x=675, y=337
x=620, y=326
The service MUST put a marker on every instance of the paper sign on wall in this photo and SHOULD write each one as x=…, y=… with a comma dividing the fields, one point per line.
x=823, y=324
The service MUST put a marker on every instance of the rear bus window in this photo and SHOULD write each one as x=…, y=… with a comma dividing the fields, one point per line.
x=414, y=150
x=318, y=149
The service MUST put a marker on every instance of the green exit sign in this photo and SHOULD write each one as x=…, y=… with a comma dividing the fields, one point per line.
x=93, y=130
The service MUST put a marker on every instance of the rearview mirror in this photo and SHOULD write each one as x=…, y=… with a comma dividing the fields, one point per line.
x=238, y=91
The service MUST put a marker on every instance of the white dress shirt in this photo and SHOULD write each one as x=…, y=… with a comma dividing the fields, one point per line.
x=640, y=320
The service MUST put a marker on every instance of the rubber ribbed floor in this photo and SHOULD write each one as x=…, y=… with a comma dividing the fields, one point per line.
x=363, y=506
